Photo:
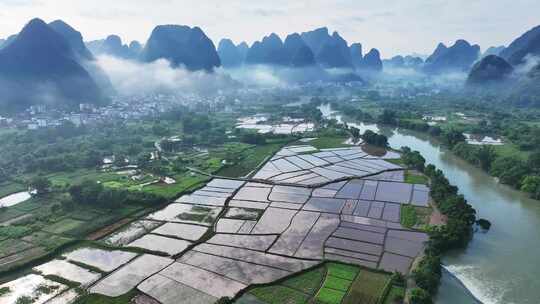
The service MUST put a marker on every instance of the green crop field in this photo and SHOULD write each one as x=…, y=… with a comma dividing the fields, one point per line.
x=367, y=288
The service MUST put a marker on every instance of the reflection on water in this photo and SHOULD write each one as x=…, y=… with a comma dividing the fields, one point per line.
x=288, y=125
x=474, y=139
x=498, y=267
x=14, y=199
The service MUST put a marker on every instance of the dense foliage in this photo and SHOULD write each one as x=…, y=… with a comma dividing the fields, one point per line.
x=375, y=139
x=92, y=193
x=455, y=234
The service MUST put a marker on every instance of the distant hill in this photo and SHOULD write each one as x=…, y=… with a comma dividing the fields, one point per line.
x=83, y=55
x=526, y=44
x=297, y=53
x=229, y=54
x=267, y=51
x=408, y=61
x=114, y=46
x=182, y=46
x=459, y=57
x=74, y=39
x=356, y=54
x=490, y=71
x=527, y=90
x=372, y=61
x=331, y=51
x=494, y=50
x=40, y=67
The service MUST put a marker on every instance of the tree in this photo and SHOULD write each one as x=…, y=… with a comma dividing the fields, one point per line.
x=420, y=296
x=355, y=132
x=509, y=170
x=453, y=137
x=375, y=139
x=40, y=184
x=428, y=273
x=531, y=184
x=485, y=156
x=254, y=139
x=86, y=192
x=388, y=117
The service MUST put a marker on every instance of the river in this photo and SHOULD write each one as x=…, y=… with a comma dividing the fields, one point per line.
x=501, y=266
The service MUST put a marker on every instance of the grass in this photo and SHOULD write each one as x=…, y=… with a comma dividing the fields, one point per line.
x=414, y=216
x=7, y=188
x=415, y=178
x=395, y=293
x=13, y=232
x=308, y=282
x=249, y=159
x=184, y=183
x=342, y=271
x=396, y=161
x=298, y=289
x=100, y=299
x=330, y=296
x=366, y=288
x=511, y=150
x=63, y=226
x=409, y=218
x=12, y=246
x=278, y=294
x=329, y=142
x=337, y=283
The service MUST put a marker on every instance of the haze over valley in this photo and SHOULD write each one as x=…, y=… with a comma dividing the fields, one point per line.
x=265, y=153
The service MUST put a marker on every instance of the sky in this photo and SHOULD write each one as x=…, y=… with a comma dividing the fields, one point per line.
x=392, y=26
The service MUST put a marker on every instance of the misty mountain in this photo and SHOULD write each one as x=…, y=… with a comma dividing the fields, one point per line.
x=39, y=67
x=494, y=50
x=414, y=61
x=526, y=92
x=83, y=55
x=7, y=41
x=403, y=62
x=297, y=53
x=182, y=46
x=229, y=54
x=243, y=48
x=73, y=38
x=113, y=46
x=135, y=48
x=372, y=62
x=330, y=51
x=490, y=71
x=267, y=51
x=526, y=44
x=356, y=54
x=458, y=57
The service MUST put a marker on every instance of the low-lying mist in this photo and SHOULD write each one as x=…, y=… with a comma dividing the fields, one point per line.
x=130, y=78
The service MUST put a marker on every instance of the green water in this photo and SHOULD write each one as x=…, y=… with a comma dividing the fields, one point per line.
x=501, y=266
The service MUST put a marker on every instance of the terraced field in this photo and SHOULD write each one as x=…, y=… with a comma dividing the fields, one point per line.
x=303, y=208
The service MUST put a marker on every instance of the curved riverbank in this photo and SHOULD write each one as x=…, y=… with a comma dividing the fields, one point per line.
x=500, y=266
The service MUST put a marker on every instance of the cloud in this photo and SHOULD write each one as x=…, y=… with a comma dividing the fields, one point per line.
x=131, y=78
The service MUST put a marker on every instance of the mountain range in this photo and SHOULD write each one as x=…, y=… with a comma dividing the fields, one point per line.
x=526, y=45
x=51, y=63
x=457, y=58
x=312, y=48
x=112, y=45
x=39, y=66
x=181, y=46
